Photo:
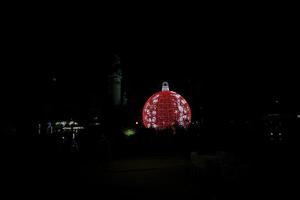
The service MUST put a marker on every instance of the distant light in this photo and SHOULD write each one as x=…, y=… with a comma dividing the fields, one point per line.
x=136, y=123
x=74, y=128
x=78, y=128
x=129, y=132
x=63, y=123
x=274, y=115
x=39, y=129
x=279, y=134
x=271, y=133
x=298, y=116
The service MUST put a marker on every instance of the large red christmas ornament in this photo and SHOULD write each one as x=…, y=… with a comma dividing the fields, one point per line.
x=166, y=109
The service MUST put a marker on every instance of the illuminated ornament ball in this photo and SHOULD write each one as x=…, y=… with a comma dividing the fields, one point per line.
x=166, y=109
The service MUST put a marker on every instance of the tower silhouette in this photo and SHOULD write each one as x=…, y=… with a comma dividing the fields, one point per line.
x=115, y=82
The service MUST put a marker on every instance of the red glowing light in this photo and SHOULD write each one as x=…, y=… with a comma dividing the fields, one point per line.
x=166, y=109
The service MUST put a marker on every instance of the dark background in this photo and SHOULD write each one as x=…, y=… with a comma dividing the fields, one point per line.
x=236, y=62
x=233, y=64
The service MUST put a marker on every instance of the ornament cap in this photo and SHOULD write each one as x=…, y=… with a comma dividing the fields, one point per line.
x=165, y=86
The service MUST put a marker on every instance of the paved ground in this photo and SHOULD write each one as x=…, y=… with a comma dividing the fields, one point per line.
x=147, y=177
x=152, y=177
x=203, y=177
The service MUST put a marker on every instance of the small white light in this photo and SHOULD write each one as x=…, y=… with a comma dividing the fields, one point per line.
x=271, y=133
x=279, y=134
x=136, y=123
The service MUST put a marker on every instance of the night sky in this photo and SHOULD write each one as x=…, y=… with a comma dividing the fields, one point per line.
x=233, y=63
